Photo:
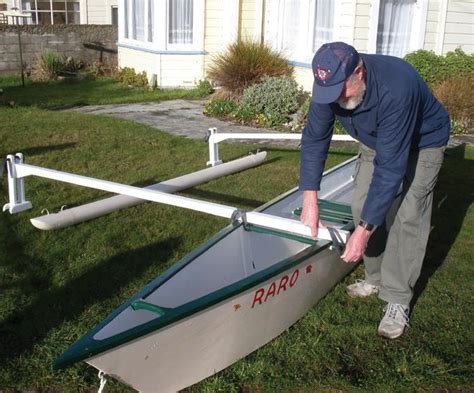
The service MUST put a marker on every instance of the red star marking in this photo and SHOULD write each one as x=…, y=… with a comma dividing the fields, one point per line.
x=309, y=269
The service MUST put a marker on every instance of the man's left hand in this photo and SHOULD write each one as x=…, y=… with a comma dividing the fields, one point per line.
x=356, y=245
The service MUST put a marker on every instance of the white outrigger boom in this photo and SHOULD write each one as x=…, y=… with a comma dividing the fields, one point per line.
x=18, y=170
x=99, y=208
x=213, y=139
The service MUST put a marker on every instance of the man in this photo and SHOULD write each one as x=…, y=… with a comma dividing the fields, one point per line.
x=383, y=103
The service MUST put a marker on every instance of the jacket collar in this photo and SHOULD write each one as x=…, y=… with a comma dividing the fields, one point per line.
x=371, y=94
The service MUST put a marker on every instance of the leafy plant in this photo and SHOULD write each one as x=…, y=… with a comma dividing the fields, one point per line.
x=219, y=108
x=205, y=87
x=129, y=77
x=243, y=64
x=276, y=98
x=456, y=96
x=434, y=69
x=49, y=66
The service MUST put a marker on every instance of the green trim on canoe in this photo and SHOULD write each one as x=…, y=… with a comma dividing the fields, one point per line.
x=88, y=347
x=142, y=305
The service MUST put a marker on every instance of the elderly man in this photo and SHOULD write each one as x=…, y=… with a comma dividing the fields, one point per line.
x=383, y=103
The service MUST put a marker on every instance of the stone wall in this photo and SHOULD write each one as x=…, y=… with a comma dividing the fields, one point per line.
x=89, y=43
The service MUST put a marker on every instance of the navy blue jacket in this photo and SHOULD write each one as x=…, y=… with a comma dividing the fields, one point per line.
x=398, y=114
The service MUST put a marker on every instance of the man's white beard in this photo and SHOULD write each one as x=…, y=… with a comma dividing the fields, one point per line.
x=353, y=102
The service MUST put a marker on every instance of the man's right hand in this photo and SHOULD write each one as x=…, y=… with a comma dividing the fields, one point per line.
x=310, y=213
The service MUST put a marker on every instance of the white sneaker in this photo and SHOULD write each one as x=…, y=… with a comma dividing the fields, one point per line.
x=394, y=321
x=362, y=289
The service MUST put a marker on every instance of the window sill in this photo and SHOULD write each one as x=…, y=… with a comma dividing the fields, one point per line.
x=146, y=48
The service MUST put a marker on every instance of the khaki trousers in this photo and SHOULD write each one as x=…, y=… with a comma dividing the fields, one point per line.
x=395, y=251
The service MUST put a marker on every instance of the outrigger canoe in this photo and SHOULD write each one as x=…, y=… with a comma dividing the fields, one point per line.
x=227, y=298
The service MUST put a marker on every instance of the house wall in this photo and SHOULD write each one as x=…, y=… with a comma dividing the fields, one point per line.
x=247, y=19
x=97, y=12
x=170, y=69
x=362, y=25
x=459, y=29
x=449, y=24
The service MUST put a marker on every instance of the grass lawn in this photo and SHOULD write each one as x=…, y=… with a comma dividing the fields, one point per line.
x=57, y=285
x=99, y=91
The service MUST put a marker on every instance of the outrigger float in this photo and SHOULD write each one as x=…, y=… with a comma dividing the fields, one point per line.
x=230, y=296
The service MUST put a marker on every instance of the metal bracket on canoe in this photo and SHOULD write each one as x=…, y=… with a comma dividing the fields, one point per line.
x=338, y=243
x=16, y=188
x=239, y=216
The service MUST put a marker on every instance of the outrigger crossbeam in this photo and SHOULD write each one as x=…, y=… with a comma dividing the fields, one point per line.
x=213, y=139
x=18, y=170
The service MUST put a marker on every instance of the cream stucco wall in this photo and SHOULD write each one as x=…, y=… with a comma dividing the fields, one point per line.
x=170, y=69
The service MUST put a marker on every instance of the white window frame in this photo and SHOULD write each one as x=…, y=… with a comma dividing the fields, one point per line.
x=159, y=41
x=417, y=38
x=304, y=51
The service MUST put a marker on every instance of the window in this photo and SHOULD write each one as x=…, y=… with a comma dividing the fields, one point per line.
x=47, y=12
x=398, y=26
x=394, y=27
x=114, y=16
x=298, y=28
x=180, y=24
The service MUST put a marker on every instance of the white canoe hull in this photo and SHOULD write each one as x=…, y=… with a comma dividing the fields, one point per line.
x=200, y=345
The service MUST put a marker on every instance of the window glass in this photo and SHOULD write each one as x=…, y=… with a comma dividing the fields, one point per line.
x=395, y=26
x=323, y=23
x=151, y=13
x=139, y=20
x=126, y=18
x=59, y=18
x=115, y=16
x=44, y=18
x=180, y=22
x=298, y=28
x=42, y=5
x=73, y=18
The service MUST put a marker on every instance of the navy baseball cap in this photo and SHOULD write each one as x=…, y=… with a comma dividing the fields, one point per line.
x=333, y=63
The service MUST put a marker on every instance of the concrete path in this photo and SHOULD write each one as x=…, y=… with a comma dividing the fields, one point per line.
x=185, y=118
x=178, y=117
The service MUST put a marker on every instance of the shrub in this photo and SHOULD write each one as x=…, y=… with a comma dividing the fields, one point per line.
x=204, y=87
x=276, y=98
x=219, y=108
x=129, y=77
x=49, y=66
x=243, y=64
x=434, y=69
x=456, y=96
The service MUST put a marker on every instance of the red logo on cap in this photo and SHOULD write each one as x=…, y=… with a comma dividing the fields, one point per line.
x=322, y=74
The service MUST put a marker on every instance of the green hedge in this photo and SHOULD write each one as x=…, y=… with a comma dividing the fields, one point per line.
x=435, y=68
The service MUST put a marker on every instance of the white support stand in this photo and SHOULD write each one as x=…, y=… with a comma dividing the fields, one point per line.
x=16, y=187
x=213, y=139
x=17, y=170
x=213, y=148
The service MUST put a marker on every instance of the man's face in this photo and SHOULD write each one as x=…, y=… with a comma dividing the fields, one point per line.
x=353, y=91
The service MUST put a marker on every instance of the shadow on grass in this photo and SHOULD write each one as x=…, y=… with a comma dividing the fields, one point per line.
x=31, y=151
x=50, y=308
x=452, y=198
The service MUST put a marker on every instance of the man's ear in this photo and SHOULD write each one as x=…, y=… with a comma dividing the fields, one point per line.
x=360, y=72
